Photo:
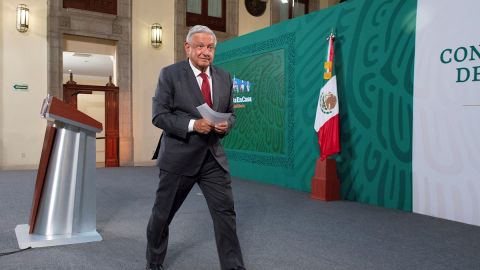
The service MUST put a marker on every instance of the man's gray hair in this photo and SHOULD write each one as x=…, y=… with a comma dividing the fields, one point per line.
x=200, y=29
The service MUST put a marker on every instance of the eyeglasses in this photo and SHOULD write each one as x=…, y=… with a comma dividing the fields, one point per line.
x=201, y=47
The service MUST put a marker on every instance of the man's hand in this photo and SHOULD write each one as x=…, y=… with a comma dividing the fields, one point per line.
x=221, y=128
x=202, y=126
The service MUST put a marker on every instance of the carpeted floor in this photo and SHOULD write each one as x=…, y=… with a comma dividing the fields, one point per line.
x=278, y=228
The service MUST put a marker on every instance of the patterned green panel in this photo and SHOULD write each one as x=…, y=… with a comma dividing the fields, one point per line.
x=265, y=95
x=374, y=53
x=375, y=71
x=264, y=131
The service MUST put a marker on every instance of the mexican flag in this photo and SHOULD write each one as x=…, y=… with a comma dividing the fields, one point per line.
x=326, y=120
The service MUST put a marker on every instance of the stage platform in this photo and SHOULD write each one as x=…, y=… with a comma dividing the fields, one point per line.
x=279, y=229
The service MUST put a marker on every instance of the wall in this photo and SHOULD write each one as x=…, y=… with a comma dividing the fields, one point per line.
x=94, y=106
x=23, y=60
x=147, y=62
x=102, y=26
x=74, y=43
x=248, y=23
x=374, y=55
x=446, y=112
x=327, y=3
x=1, y=83
x=181, y=28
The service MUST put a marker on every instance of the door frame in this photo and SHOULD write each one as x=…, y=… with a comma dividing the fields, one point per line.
x=112, y=132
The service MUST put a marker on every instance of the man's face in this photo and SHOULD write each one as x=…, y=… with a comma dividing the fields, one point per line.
x=201, y=50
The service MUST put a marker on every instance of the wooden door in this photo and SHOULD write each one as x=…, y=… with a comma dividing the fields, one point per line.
x=112, y=131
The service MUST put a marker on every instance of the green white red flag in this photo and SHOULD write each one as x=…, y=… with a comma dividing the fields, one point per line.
x=326, y=120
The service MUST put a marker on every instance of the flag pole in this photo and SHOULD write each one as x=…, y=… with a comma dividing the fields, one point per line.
x=325, y=182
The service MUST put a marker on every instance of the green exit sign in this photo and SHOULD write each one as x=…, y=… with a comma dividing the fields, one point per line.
x=20, y=87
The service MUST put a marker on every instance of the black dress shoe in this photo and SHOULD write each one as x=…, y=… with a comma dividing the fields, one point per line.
x=152, y=266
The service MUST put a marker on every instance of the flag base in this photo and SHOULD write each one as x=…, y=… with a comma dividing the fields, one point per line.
x=325, y=183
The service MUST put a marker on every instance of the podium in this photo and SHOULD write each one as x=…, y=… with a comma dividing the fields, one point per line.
x=64, y=201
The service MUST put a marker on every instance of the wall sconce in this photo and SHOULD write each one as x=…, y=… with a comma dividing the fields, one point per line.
x=156, y=35
x=22, y=18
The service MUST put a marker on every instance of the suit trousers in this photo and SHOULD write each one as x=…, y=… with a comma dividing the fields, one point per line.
x=215, y=184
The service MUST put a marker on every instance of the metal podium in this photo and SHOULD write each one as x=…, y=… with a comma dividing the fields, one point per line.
x=64, y=201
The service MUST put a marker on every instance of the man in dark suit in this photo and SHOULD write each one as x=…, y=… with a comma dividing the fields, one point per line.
x=190, y=152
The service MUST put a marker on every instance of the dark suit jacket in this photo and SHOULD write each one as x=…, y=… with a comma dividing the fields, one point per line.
x=176, y=98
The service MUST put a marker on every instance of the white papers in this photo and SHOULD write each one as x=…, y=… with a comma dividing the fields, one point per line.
x=211, y=115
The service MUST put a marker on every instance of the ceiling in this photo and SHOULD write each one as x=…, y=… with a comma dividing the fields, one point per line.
x=88, y=64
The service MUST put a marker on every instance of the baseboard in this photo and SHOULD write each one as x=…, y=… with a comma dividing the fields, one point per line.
x=145, y=163
x=27, y=167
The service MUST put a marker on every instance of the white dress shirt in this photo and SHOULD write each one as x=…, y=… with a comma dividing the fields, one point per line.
x=197, y=72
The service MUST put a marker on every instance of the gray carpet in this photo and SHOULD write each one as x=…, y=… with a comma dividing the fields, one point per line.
x=278, y=229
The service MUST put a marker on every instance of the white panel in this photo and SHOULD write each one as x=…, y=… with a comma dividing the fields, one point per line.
x=446, y=146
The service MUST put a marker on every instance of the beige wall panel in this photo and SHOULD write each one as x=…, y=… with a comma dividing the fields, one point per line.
x=248, y=23
x=147, y=62
x=23, y=60
x=89, y=45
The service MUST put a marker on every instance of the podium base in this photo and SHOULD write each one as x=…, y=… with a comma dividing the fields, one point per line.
x=26, y=240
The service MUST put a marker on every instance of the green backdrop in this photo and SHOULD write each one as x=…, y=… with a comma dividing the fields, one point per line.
x=274, y=140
